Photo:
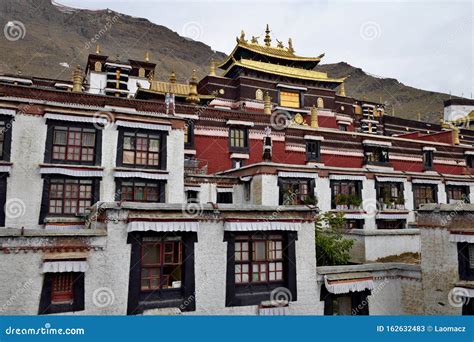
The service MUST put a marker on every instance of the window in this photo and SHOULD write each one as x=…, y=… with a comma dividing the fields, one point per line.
x=347, y=304
x=353, y=224
x=5, y=137
x=428, y=160
x=259, y=262
x=346, y=194
x=424, y=194
x=391, y=224
x=224, y=197
x=466, y=260
x=469, y=161
x=238, y=139
x=258, y=259
x=142, y=149
x=342, y=128
x=390, y=195
x=192, y=196
x=237, y=163
x=62, y=292
x=296, y=191
x=3, y=197
x=161, y=271
x=376, y=155
x=290, y=99
x=75, y=144
x=313, y=151
x=141, y=191
x=189, y=134
x=70, y=196
x=457, y=193
x=161, y=264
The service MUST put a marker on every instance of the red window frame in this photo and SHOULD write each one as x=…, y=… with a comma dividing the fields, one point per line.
x=249, y=268
x=62, y=288
x=140, y=146
x=75, y=147
x=69, y=196
x=157, y=274
x=129, y=191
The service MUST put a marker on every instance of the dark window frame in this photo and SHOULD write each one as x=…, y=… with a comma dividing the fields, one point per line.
x=48, y=155
x=6, y=130
x=299, y=198
x=162, y=153
x=313, y=151
x=44, y=211
x=380, y=153
x=225, y=197
x=335, y=184
x=450, y=189
x=388, y=224
x=3, y=197
x=383, y=197
x=183, y=297
x=119, y=183
x=46, y=305
x=428, y=159
x=189, y=130
x=415, y=187
x=465, y=271
x=245, y=139
x=255, y=294
x=357, y=299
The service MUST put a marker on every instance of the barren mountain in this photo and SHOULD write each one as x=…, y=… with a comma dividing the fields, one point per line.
x=46, y=39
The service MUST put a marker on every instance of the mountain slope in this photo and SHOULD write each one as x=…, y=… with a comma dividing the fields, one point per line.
x=57, y=37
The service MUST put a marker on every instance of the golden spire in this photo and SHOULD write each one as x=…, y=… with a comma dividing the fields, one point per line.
x=267, y=39
x=77, y=80
x=419, y=116
x=342, y=89
x=242, y=37
x=212, y=67
x=147, y=56
x=314, y=117
x=290, y=46
x=172, y=77
x=456, y=135
x=97, y=49
x=267, y=104
x=193, y=96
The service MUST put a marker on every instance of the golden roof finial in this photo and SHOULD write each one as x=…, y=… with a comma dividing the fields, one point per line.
x=241, y=39
x=267, y=39
x=97, y=49
x=77, y=80
x=314, y=117
x=267, y=104
x=279, y=44
x=147, y=56
x=342, y=89
x=193, y=96
x=172, y=77
x=212, y=67
x=290, y=46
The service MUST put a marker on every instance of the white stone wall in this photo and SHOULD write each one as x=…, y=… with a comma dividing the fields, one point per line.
x=175, y=166
x=323, y=193
x=97, y=82
x=369, y=203
x=264, y=190
x=455, y=112
x=109, y=157
x=25, y=185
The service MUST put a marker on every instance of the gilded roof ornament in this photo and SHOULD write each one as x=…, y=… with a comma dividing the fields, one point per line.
x=267, y=39
x=212, y=67
x=172, y=77
x=241, y=39
x=290, y=46
x=147, y=56
x=254, y=40
x=279, y=44
x=97, y=49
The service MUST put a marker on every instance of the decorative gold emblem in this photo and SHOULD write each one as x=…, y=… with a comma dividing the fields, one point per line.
x=320, y=102
x=98, y=66
x=141, y=72
x=259, y=95
x=298, y=119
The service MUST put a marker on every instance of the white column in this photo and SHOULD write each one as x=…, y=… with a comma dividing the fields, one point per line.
x=109, y=156
x=409, y=200
x=369, y=202
x=442, y=198
x=175, y=166
x=322, y=190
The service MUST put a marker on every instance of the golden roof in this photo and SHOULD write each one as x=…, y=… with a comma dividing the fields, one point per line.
x=169, y=87
x=271, y=51
x=283, y=70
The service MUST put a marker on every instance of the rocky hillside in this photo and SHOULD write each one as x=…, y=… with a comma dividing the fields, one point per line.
x=51, y=38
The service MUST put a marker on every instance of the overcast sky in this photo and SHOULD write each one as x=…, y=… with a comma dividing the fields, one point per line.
x=424, y=44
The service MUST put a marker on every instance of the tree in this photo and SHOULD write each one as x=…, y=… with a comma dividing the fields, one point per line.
x=331, y=246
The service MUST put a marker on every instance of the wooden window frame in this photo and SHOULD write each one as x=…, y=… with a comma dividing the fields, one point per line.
x=189, y=132
x=451, y=189
x=378, y=152
x=6, y=126
x=120, y=192
x=434, y=189
x=285, y=183
x=45, y=201
x=428, y=160
x=161, y=152
x=338, y=184
x=48, y=306
x=466, y=272
x=253, y=293
x=385, y=224
x=245, y=139
x=313, y=151
x=49, y=151
x=222, y=197
x=182, y=297
x=382, y=197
